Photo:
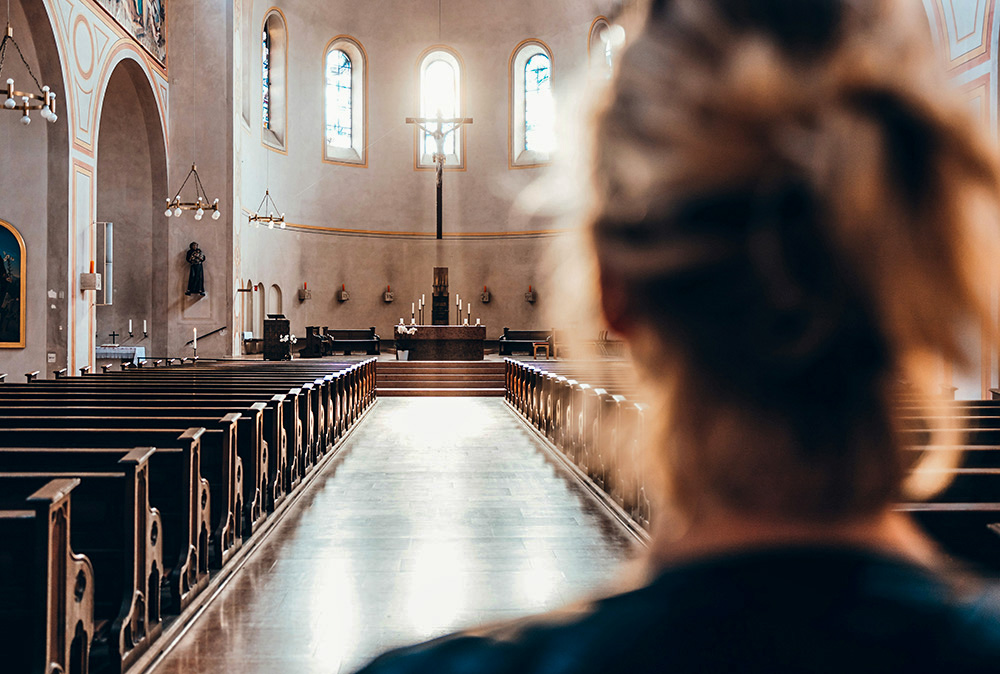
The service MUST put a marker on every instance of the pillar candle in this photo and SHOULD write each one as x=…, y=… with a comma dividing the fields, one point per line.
x=144, y=325
x=423, y=299
x=413, y=308
x=130, y=326
x=195, y=342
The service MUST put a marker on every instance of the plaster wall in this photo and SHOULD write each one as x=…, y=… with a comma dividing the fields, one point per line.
x=389, y=195
x=366, y=266
x=201, y=94
x=24, y=197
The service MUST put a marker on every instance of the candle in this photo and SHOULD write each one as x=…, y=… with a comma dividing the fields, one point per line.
x=195, y=341
x=423, y=299
x=458, y=301
x=413, y=307
x=144, y=326
x=477, y=321
x=130, y=326
x=305, y=285
x=91, y=266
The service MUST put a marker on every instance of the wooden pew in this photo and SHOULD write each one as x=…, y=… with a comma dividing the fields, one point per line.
x=46, y=616
x=176, y=488
x=120, y=534
x=220, y=463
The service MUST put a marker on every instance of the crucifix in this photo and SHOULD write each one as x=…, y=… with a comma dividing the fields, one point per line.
x=439, y=128
x=114, y=337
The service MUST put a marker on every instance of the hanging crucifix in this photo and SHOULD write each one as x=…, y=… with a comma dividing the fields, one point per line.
x=439, y=129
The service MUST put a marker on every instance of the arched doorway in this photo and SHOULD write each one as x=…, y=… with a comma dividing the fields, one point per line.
x=131, y=183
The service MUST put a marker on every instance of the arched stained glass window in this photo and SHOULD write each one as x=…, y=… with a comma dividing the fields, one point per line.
x=273, y=76
x=440, y=96
x=266, y=76
x=344, y=131
x=532, y=111
x=339, y=99
x=539, y=131
x=440, y=99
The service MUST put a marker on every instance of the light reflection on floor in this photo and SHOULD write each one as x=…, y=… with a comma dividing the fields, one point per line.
x=442, y=513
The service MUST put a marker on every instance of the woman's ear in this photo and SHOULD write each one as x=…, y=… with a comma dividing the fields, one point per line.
x=615, y=304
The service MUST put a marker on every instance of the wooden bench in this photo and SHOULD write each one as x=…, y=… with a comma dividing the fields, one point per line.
x=120, y=534
x=176, y=488
x=47, y=612
x=522, y=340
x=349, y=341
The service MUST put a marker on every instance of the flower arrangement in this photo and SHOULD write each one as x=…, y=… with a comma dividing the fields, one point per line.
x=289, y=338
x=403, y=330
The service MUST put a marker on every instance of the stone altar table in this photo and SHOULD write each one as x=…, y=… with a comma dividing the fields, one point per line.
x=447, y=342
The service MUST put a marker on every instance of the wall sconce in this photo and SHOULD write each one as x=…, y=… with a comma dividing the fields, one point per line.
x=305, y=293
x=388, y=296
x=485, y=297
x=342, y=294
x=530, y=296
x=90, y=281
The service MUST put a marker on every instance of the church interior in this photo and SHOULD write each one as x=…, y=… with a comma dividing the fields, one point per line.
x=317, y=255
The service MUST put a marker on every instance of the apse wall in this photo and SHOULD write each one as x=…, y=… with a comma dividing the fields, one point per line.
x=485, y=240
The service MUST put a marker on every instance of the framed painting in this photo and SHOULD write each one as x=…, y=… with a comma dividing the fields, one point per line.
x=12, y=272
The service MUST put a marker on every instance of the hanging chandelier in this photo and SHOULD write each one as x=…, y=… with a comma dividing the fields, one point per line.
x=175, y=206
x=270, y=219
x=45, y=101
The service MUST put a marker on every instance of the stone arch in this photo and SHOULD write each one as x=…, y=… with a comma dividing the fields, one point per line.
x=131, y=180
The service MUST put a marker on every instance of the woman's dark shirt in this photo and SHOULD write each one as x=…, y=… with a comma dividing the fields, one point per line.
x=781, y=610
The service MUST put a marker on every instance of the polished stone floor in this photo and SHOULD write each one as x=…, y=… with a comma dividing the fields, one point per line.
x=440, y=513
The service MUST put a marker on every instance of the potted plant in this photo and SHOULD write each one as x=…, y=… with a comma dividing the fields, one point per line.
x=403, y=341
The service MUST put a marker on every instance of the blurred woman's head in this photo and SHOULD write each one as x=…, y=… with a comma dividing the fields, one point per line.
x=790, y=213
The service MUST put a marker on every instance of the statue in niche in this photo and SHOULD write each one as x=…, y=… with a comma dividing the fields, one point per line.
x=196, y=277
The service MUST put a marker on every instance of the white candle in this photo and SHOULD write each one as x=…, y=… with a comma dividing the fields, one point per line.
x=130, y=326
x=423, y=299
x=144, y=325
x=477, y=321
x=458, y=301
x=195, y=342
x=413, y=307
x=460, y=306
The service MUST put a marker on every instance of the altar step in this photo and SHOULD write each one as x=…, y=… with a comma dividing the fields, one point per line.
x=440, y=378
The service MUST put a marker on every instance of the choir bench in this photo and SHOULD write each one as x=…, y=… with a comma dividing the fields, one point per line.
x=523, y=340
x=349, y=341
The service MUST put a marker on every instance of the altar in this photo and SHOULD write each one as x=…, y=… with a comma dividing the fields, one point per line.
x=445, y=342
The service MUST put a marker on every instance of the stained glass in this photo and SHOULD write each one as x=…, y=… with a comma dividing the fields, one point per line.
x=339, y=100
x=539, y=131
x=440, y=98
x=266, y=77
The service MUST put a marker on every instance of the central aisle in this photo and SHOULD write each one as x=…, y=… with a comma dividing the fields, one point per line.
x=438, y=514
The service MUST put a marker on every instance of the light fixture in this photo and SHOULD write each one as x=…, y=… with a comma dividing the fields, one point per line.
x=22, y=101
x=201, y=203
x=270, y=219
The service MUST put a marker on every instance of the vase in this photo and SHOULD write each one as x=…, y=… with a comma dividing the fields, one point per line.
x=402, y=354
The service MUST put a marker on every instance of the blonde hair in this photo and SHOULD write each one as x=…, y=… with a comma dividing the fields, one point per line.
x=798, y=215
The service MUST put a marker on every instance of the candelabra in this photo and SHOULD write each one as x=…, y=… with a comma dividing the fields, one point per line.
x=175, y=206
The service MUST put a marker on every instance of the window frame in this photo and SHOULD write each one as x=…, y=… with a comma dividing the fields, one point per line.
x=456, y=160
x=519, y=157
x=275, y=137
x=357, y=154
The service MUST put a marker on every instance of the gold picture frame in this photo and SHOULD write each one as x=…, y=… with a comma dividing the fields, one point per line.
x=13, y=266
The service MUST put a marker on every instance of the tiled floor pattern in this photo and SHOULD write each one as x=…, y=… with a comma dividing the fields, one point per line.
x=440, y=513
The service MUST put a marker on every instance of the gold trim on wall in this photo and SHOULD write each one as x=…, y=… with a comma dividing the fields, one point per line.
x=364, y=91
x=23, y=283
x=461, y=101
x=283, y=147
x=511, y=160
